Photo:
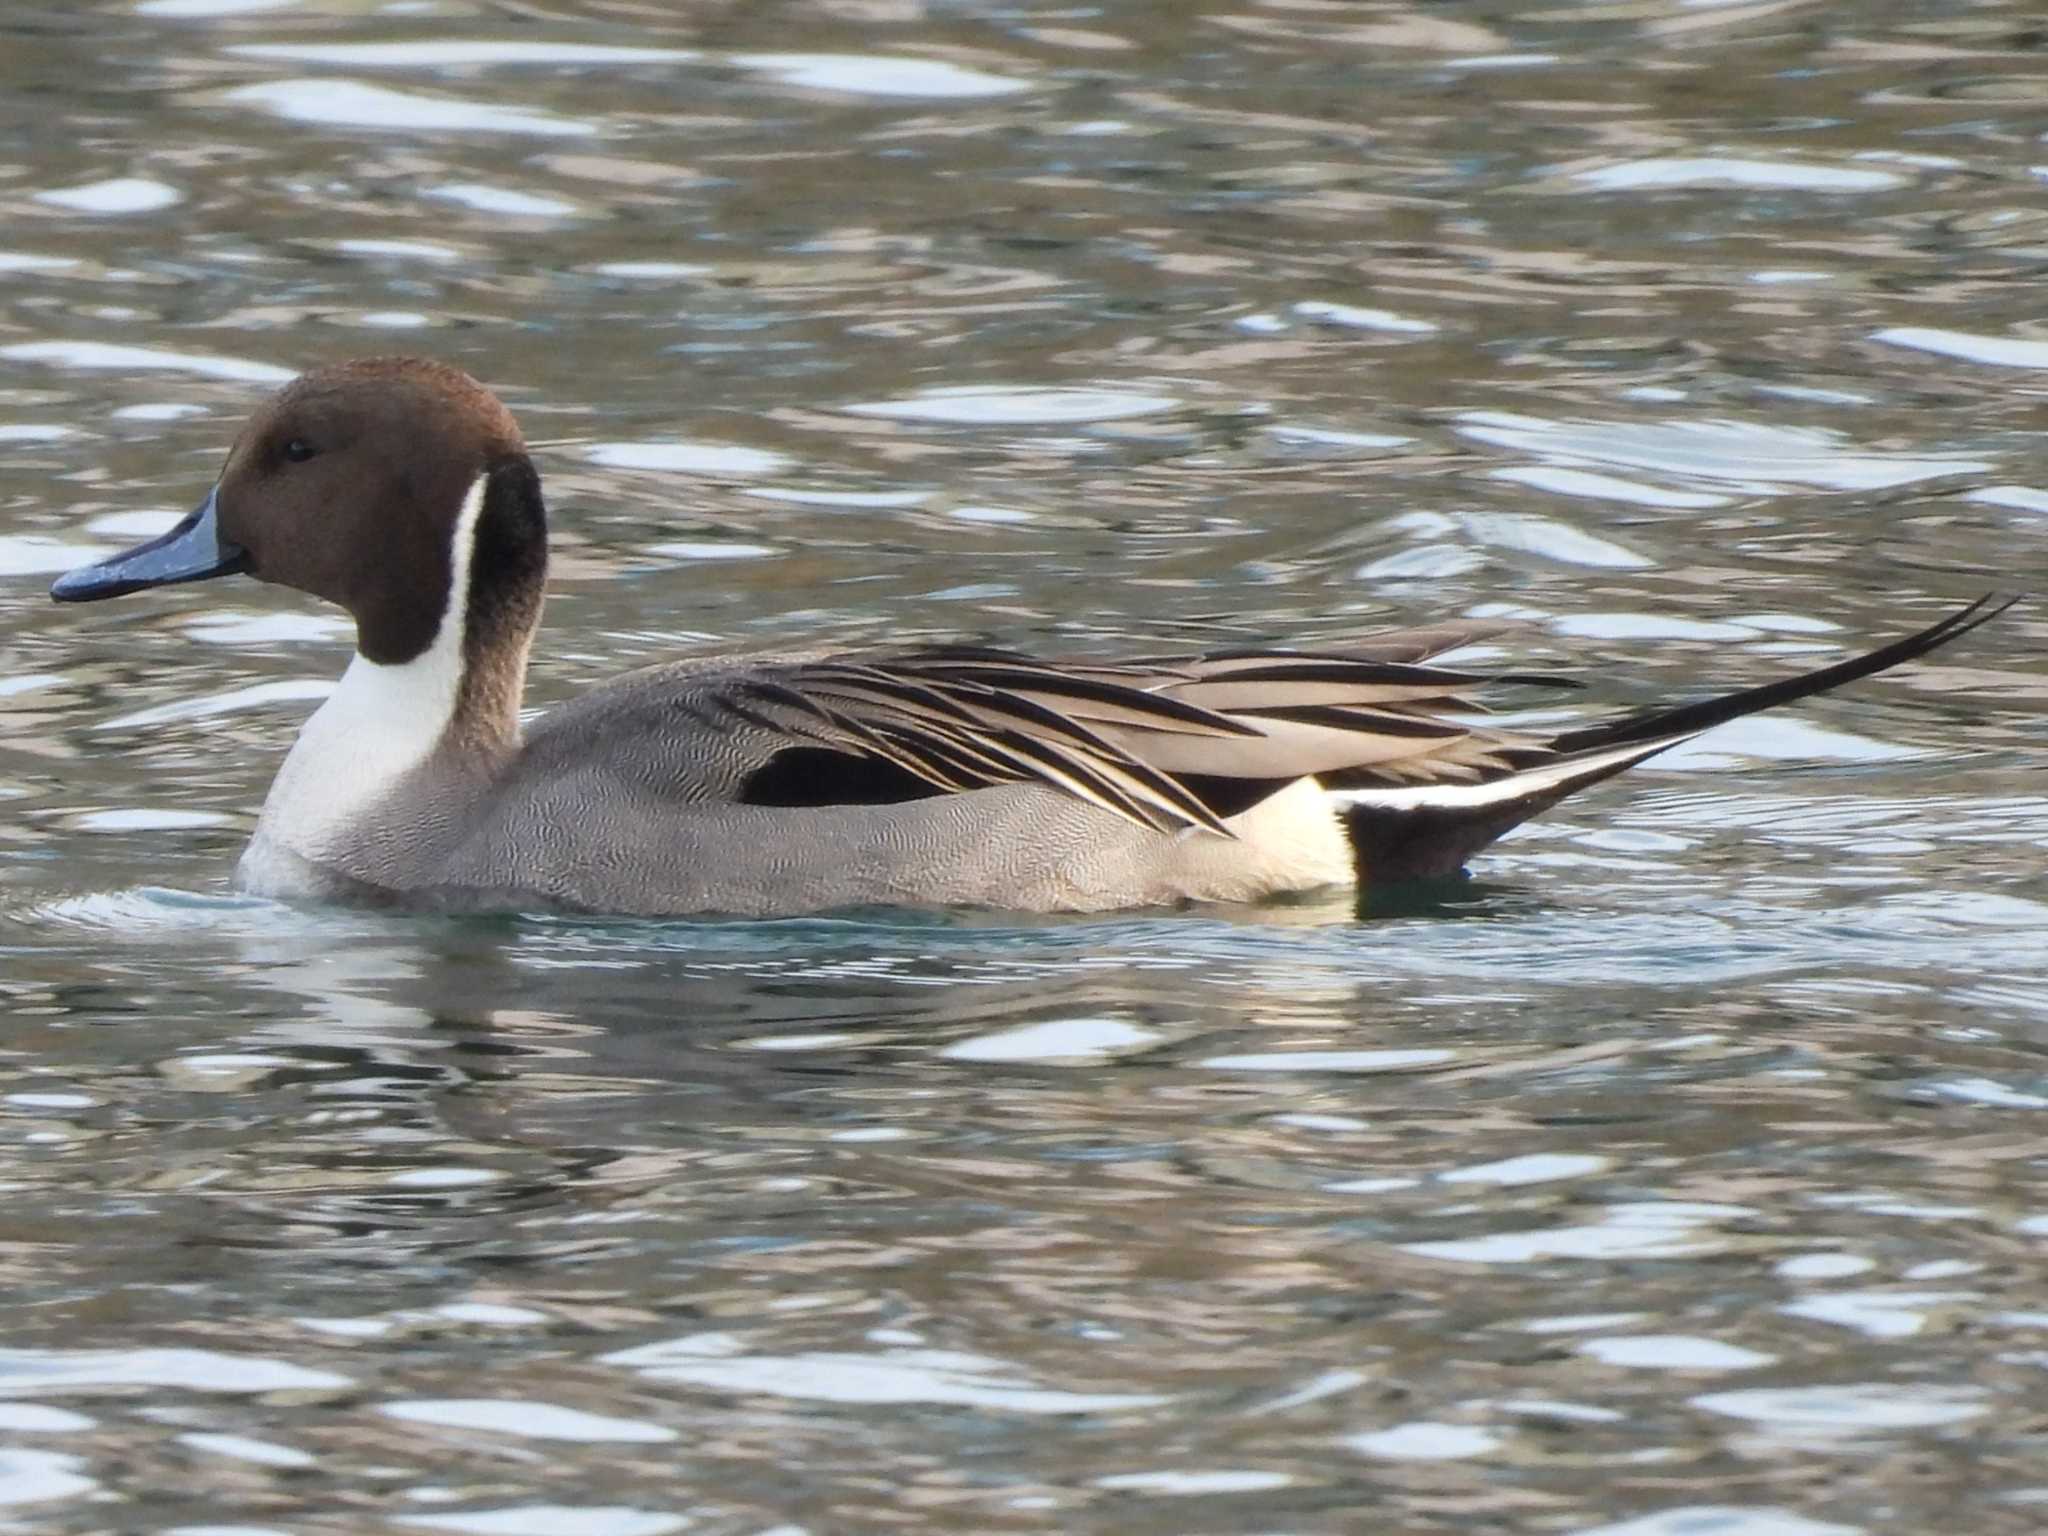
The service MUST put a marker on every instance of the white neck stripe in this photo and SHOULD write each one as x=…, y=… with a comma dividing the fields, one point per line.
x=382, y=720
x=461, y=552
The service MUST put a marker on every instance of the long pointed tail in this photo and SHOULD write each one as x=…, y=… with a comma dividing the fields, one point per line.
x=1424, y=831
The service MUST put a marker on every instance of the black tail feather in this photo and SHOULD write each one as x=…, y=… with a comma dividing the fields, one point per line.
x=1423, y=833
x=1686, y=719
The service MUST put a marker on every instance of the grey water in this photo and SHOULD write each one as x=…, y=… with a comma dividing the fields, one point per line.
x=1681, y=1174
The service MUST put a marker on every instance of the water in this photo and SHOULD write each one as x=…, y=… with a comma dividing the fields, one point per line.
x=1678, y=1176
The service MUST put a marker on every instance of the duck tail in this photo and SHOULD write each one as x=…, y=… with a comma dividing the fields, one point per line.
x=1428, y=831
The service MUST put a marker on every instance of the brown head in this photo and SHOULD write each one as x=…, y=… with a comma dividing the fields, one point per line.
x=350, y=483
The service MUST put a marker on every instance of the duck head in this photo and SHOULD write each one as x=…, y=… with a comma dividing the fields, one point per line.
x=398, y=488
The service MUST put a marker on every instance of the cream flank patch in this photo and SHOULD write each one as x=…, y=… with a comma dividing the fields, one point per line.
x=1297, y=833
x=379, y=724
x=1290, y=841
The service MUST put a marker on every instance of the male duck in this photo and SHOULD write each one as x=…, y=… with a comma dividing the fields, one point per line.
x=401, y=489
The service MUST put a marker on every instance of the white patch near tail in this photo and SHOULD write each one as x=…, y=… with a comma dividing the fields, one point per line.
x=1561, y=774
x=1293, y=839
x=379, y=724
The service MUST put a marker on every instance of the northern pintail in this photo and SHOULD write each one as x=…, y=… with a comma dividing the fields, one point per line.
x=401, y=489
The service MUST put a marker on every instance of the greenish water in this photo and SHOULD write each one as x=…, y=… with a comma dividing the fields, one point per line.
x=1680, y=1175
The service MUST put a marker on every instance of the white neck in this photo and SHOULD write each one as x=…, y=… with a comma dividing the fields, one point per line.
x=380, y=723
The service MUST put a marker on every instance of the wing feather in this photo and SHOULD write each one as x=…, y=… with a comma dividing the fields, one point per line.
x=1148, y=741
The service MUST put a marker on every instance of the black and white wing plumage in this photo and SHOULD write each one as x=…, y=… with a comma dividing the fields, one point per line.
x=1167, y=743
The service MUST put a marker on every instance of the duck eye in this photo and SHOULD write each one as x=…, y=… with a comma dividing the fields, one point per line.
x=298, y=450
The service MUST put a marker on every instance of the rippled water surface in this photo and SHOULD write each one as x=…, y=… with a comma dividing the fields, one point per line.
x=1680, y=1175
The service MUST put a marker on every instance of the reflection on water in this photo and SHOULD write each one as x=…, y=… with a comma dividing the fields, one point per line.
x=1678, y=1173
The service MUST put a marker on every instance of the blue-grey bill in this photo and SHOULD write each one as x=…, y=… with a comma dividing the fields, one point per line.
x=192, y=551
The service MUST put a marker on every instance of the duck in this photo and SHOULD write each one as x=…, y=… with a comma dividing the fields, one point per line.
x=933, y=775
